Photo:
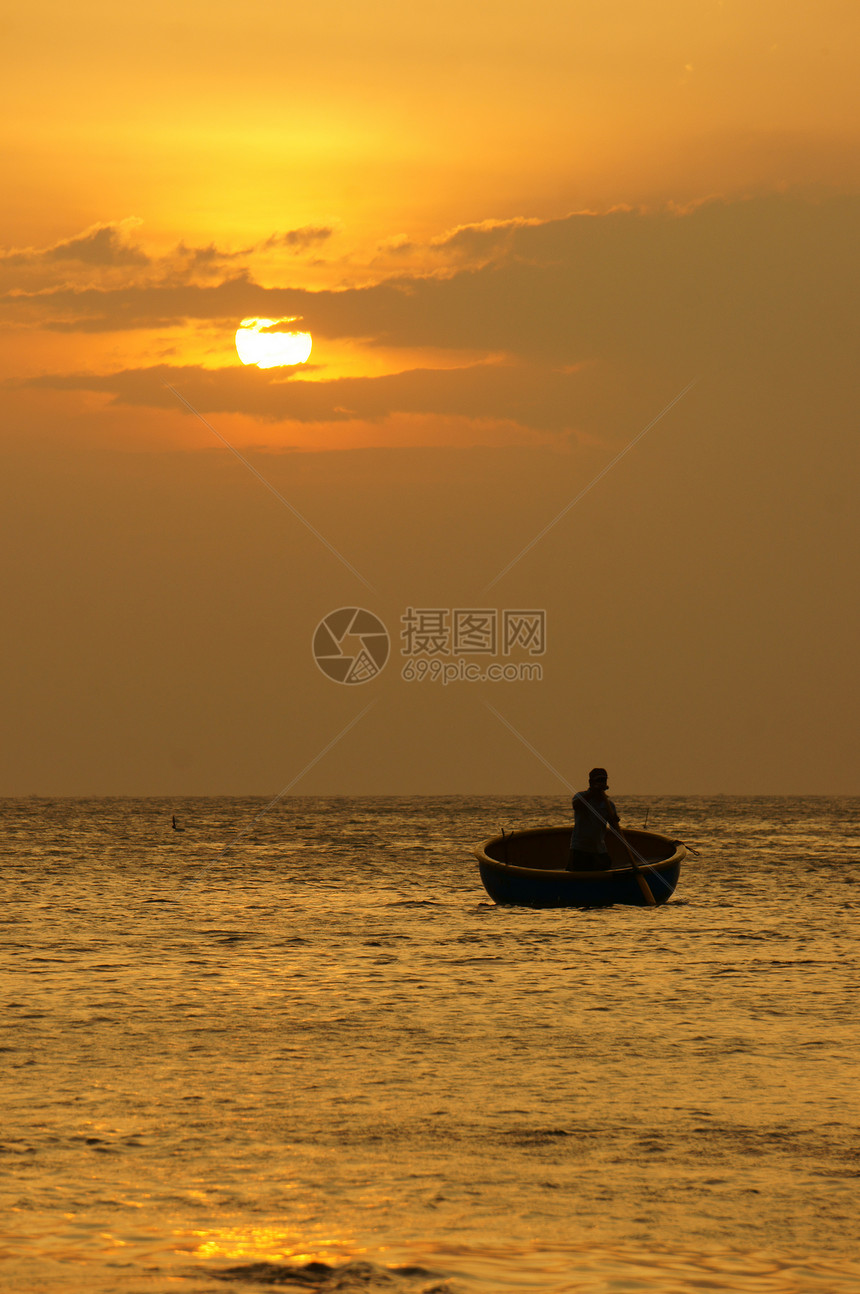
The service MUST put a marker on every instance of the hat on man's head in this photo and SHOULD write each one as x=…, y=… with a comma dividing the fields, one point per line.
x=597, y=775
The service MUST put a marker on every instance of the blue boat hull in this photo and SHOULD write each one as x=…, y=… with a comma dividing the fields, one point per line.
x=528, y=870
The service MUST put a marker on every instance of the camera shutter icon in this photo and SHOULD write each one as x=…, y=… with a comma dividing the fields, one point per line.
x=351, y=645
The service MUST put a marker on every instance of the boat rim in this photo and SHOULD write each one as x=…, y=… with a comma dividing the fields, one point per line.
x=677, y=856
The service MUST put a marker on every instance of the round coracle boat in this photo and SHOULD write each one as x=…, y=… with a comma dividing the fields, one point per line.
x=529, y=869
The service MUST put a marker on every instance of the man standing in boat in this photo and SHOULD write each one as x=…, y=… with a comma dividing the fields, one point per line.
x=593, y=812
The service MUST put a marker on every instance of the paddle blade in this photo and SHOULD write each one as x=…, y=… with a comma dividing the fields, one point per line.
x=646, y=891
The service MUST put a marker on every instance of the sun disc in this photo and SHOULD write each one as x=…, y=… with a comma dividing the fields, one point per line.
x=266, y=343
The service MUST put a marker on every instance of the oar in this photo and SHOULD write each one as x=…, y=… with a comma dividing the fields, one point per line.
x=640, y=875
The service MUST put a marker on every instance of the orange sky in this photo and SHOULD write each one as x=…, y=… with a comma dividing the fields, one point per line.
x=515, y=238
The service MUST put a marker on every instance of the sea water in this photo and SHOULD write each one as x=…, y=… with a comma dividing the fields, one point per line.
x=322, y=1059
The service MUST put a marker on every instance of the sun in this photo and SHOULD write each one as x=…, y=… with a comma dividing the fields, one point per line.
x=268, y=343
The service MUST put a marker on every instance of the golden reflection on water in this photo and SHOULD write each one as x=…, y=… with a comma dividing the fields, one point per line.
x=270, y=1244
x=485, y=1077
x=563, y=1269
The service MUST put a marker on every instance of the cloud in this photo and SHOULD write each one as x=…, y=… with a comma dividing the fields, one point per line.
x=525, y=395
x=483, y=241
x=104, y=255
x=298, y=239
x=209, y=255
x=291, y=324
x=100, y=245
x=166, y=303
x=103, y=245
x=735, y=283
x=592, y=323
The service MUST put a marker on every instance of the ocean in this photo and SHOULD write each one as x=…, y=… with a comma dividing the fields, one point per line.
x=322, y=1059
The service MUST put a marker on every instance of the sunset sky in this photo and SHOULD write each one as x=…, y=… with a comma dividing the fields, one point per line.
x=516, y=234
